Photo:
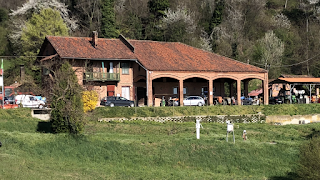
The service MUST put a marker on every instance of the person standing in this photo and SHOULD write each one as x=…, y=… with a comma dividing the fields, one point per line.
x=244, y=135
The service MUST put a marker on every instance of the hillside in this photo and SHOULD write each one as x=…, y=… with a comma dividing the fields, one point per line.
x=281, y=36
x=146, y=150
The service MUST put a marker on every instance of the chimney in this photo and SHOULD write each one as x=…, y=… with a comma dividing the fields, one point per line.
x=94, y=38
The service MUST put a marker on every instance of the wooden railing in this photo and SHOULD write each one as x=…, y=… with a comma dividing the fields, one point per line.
x=99, y=76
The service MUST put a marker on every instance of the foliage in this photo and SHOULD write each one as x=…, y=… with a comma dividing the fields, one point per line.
x=270, y=52
x=108, y=24
x=67, y=106
x=89, y=99
x=47, y=22
x=309, y=162
x=178, y=25
x=3, y=15
x=230, y=28
x=158, y=7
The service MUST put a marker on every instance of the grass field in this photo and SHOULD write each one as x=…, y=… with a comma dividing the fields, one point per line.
x=147, y=150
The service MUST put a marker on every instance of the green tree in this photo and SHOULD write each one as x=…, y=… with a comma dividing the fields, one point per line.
x=158, y=7
x=108, y=21
x=217, y=15
x=47, y=22
x=3, y=31
x=67, y=105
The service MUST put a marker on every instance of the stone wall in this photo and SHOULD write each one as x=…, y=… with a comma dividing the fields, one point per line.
x=295, y=119
x=251, y=118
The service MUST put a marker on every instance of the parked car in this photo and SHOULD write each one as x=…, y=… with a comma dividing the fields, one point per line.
x=116, y=101
x=29, y=101
x=193, y=101
x=247, y=101
x=275, y=100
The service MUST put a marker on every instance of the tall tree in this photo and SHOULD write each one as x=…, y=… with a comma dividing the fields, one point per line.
x=47, y=22
x=108, y=21
x=67, y=105
x=270, y=50
x=158, y=7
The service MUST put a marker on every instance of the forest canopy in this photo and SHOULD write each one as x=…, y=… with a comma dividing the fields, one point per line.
x=280, y=36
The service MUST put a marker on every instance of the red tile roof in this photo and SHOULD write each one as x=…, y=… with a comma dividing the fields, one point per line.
x=153, y=55
x=81, y=47
x=301, y=80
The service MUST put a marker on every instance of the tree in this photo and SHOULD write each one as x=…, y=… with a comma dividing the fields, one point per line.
x=22, y=14
x=178, y=25
x=89, y=15
x=158, y=7
x=47, y=22
x=270, y=50
x=66, y=104
x=108, y=21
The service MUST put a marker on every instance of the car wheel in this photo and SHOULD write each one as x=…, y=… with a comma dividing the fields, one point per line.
x=111, y=105
x=200, y=104
x=40, y=106
x=131, y=105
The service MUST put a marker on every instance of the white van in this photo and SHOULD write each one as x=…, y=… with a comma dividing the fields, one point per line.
x=29, y=101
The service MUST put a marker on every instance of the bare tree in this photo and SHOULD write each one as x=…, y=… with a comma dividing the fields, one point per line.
x=272, y=49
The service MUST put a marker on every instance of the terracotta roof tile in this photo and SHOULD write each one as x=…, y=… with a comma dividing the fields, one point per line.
x=173, y=56
x=81, y=47
x=155, y=56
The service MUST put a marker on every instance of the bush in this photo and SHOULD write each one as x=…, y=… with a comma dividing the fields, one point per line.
x=309, y=163
x=67, y=106
x=90, y=99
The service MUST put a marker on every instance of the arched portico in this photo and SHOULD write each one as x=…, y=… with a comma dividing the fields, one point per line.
x=196, y=83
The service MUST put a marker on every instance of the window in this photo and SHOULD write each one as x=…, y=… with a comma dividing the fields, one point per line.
x=175, y=90
x=125, y=68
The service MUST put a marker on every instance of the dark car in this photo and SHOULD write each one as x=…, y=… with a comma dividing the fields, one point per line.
x=275, y=100
x=116, y=101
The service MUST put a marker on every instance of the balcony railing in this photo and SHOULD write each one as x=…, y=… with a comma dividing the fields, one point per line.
x=99, y=76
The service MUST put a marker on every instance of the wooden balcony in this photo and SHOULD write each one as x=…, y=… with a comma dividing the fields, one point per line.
x=99, y=76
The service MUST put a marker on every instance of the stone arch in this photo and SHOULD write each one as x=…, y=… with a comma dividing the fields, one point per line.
x=136, y=79
x=252, y=77
x=225, y=76
x=165, y=75
x=196, y=76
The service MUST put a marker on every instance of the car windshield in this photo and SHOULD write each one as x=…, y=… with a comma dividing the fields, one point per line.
x=123, y=99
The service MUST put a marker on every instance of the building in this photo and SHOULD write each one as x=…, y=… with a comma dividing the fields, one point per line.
x=147, y=71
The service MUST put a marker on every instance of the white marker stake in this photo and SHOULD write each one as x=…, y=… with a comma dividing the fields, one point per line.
x=198, y=128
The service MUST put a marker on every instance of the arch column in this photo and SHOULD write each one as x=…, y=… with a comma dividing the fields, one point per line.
x=149, y=89
x=239, y=92
x=210, y=92
x=181, y=92
x=265, y=90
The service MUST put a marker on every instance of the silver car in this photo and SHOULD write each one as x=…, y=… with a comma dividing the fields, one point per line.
x=193, y=101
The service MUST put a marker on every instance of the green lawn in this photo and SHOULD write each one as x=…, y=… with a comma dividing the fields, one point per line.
x=147, y=150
